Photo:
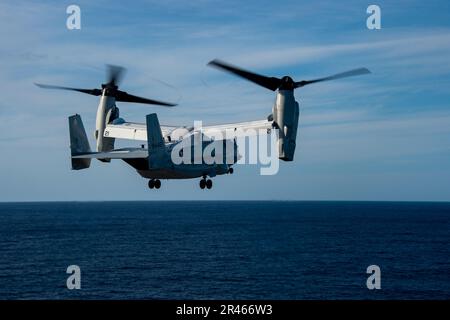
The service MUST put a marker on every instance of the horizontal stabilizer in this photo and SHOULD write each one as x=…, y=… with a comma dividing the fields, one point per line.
x=126, y=153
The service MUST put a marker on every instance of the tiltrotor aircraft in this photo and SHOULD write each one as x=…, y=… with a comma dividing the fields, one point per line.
x=155, y=162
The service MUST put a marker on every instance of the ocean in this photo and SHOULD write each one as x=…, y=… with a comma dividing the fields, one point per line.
x=224, y=250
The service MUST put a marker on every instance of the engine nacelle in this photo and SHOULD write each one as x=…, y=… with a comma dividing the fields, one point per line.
x=106, y=113
x=285, y=116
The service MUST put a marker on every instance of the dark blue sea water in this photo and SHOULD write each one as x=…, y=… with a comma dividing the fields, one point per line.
x=225, y=250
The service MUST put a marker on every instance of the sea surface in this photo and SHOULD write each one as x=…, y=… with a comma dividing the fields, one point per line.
x=224, y=250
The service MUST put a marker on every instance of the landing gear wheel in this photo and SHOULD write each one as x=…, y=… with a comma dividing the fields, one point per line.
x=157, y=183
x=209, y=183
x=151, y=184
x=202, y=184
x=230, y=171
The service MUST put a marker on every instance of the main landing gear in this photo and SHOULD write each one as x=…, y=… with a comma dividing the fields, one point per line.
x=154, y=183
x=205, y=183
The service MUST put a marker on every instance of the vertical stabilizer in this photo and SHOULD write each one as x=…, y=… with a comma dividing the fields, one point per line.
x=157, y=154
x=79, y=142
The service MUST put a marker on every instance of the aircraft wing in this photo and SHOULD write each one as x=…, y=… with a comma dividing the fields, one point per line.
x=132, y=131
x=239, y=129
x=138, y=131
x=126, y=153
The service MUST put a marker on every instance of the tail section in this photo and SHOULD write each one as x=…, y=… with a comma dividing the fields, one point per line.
x=157, y=154
x=79, y=143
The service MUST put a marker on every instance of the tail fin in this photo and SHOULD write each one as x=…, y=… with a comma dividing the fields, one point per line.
x=79, y=143
x=157, y=154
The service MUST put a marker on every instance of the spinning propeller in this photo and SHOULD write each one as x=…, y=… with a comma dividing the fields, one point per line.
x=284, y=83
x=111, y=88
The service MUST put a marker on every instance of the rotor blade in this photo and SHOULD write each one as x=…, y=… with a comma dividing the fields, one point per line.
x=94, y=92
x=270, y=83
x=115, y=74
x=351, y=73
x=125, y=97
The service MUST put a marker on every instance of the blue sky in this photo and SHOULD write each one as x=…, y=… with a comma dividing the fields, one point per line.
x=385, y=136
